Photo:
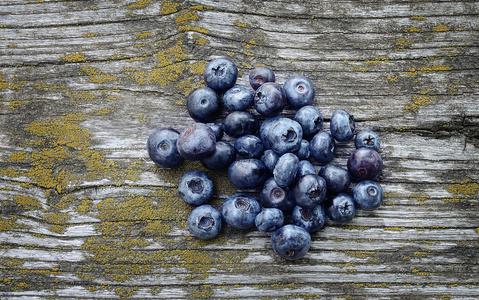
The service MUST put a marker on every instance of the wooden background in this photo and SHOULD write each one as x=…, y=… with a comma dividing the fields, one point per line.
x=86, y=214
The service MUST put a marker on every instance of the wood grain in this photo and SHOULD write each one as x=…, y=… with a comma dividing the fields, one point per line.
x=87, y=215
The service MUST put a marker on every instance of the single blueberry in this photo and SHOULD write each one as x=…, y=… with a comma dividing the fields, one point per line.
x=342, y=125
x=161, y=146
x=368, y=194
x=264, y=130
x=274, y=196
x=240, y=210
x=291, y=242
x=305, y=168
x=284, y=135
x=239, y=123
x=249, y=146
x=205, y=221
x=260, y=75
x=310, y=119
x=217, y=129
x=311, y=219
x=195, y=188
x=220, y=74
x=223, y=156
x=310, y=191
x=269, y=99
x=368, y=139
x=269, y=219
x=299, y=91
x=304, y=152
x=238, y=98
x=196, y=142
x=270, y=158
x=247, y=173
x=203, y=104
x=365, y=164
x=341, y=209
x=322, y=147
x=286, y=169
x=337, y=178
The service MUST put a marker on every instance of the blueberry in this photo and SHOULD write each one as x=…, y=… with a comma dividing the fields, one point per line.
x=311, y=219
x=260, y=75
x=284, y=135
x=196, y=188
x=269, y=219
x=247, y=173
x=161, y=146
x=286, y=169
x=196, y=142
x=310, y=191
x=299, y=91
x=322, y=147
x=203, y=104
x=291, y=242
x=274, y=196
x=239, y=123
x=217, y=130
x=368, y=139
x=365, y=164
x=220, y=74
x=205, y=221
x=270, y=158
x=223, y=156
x=269, y=99
x=341, y=209
x=342, y=125
x=249, y=146
x=305, y=168
x=304, y=152
x=368, y=194
x=310, y=119
x=238, y=98
x=264, y=130
x=337, y=178
x=240, y=210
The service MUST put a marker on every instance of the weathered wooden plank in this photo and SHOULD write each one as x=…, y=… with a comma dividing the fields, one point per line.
x=85, y=214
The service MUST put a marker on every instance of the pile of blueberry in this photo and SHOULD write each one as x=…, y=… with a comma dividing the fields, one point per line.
x=274, y=157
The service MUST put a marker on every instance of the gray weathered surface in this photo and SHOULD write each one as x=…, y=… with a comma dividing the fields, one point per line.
x=85, y=214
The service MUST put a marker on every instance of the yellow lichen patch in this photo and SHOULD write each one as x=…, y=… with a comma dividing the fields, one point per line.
x=417, y=102
x=377, y=61
x=422, y=253
x=95, y=75
x=85, y=206
x=241, y=24
x=418, y=197
x=441, y=28
x=75, y=57
x=402, y=44
x=465, y=187
x=139, y=4
x=58, y=221
x=392, y=78
x=192, y=28
x=143, y=35
x=14, y=84
x=169, y=7
x=419, y=273
x=27, y=202
x=418, y=18
x=412, y=29
x=188, y=15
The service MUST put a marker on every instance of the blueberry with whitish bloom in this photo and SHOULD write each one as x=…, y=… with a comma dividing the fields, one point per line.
x=220, y=74
x=247, y=173
x=161, y=146
x=299, y=91
x=291, y=242
x=322, y=147
x=205, y=221
x=238, y=123
x=223, y=156
x=269, y=219
x=310, y=119
x=341, y=208
x=337, y=178
x=311, y=219
x=195, y=188
x=240, y=210
x=368, y=139
x=285, y=170
x=238, y=98
x=310, y=191
x=269, y=99
x=249, y=146
x=368, y=194
x=274, y=196
x=196, y=142
x=342, y=125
